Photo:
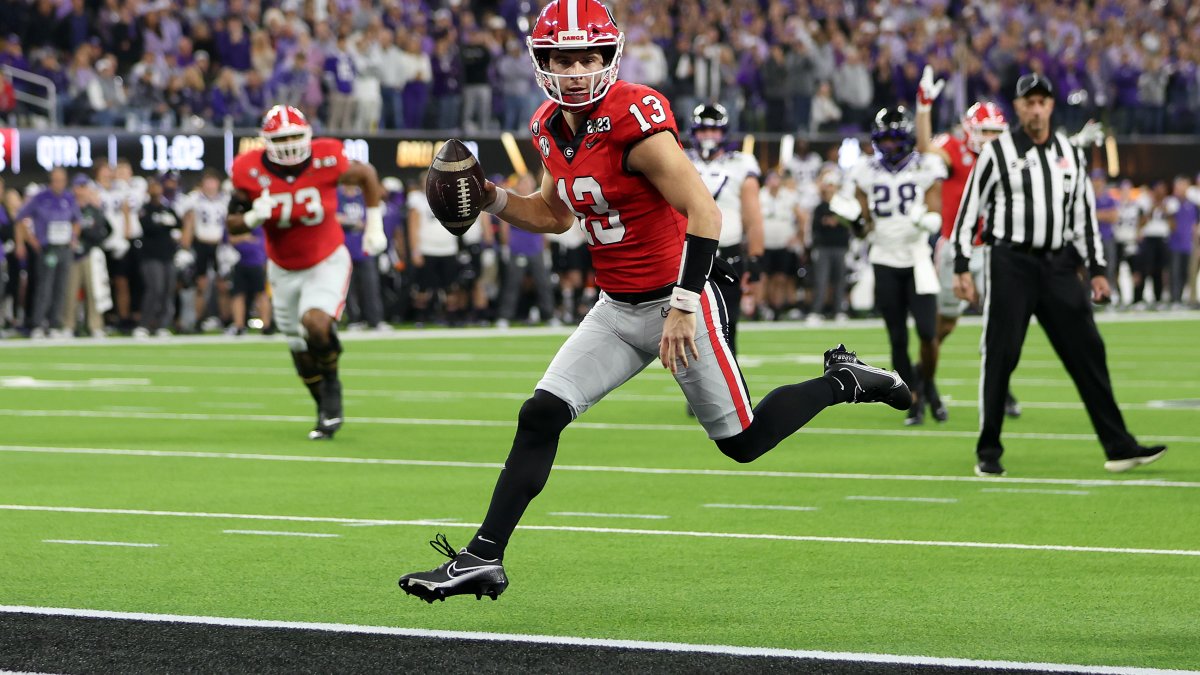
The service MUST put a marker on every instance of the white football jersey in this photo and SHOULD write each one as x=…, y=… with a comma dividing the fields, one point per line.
x=1129, y=213
x=779, y=216
x=571, y=239
x=208, y=215
x=433, y=239
x=896, y=199
x=805, y=169
x=136, y=196
x=724, y=175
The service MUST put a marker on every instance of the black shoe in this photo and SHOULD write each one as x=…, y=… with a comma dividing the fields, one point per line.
x=464, y=574
x=989, y=468
x=936, y=407
x=870, y=384
x=329, y=411
x=1012, y=408
x=690, y=412
x=1132, y=459
x=916, y=413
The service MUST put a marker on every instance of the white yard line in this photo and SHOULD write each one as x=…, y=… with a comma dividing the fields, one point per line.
x=761, y=507
x=273, y=533
x=1036, y=492
x=584, y=514
x=508, y=424
x=84, y=542
x=929, y=500
x=674, y=647
x=621, y=530
x=236, y=456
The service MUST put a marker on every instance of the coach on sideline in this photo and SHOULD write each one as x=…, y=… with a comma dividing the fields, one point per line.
x=1031, y=187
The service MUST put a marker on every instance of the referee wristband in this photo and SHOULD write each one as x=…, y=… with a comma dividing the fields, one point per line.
x=685, y=300
x=498, y=203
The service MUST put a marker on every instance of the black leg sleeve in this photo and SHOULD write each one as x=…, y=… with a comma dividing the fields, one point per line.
x=325, y=354
x=306, y=368
x=779, y=415
x=541, y=420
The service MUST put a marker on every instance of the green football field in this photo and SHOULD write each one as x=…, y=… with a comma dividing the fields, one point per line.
x=855, y=535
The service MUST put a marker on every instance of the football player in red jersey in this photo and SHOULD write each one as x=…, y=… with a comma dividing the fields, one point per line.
x=289, y=187
x=982, y=122
x=613, y=163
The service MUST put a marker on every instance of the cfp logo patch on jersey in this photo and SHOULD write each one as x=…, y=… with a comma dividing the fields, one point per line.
x=535, y=127
x=544, y=144
x=264, y=181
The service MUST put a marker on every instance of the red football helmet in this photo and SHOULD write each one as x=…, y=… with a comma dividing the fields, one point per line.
x=575, y=24
x=287, y=134
x=983, y=122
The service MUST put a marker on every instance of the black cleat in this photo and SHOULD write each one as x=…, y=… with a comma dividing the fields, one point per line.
x=989, y=468
x=870, y=384
x=936, y=407
x=1012, y=407
x=464, y=574
x=1132, y=459
x=329, y=411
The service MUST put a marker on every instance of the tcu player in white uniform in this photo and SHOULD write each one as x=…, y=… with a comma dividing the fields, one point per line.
x=732, y=179
x=900, y=190
x=115, y=202
x=204, y=211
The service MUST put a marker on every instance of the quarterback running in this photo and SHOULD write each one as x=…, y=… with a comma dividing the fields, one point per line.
x=614, y=167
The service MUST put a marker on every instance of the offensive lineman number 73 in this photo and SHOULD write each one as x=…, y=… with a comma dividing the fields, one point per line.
x=308, y=199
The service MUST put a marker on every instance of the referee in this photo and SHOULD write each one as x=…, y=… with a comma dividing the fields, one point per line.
x=1031, y=188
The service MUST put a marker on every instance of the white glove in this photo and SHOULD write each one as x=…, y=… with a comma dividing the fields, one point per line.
x=928, y=90
x=1092, y=133
x=845, y=207
x=374, y=240
x=259, y=211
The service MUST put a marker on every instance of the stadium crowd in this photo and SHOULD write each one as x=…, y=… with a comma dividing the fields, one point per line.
x=777, y=65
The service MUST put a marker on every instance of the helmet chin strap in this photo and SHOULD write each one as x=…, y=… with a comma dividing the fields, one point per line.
x=709, y=147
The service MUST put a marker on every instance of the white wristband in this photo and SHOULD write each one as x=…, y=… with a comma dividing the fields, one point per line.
x=930, y=222
x=924, y=107
x=498, y=203
x=252, y=219
x=685, y=300
x=374, y=221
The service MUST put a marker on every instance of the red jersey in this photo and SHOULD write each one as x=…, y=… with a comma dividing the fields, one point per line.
x=962, y=160
x=634, y=235
x=303, y=228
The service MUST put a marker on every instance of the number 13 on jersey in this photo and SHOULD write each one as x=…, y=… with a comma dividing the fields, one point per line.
x=603, y=225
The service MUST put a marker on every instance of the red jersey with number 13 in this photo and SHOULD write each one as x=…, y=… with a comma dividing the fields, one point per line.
x=303, y=228
x=634, y=235
x=962, y=160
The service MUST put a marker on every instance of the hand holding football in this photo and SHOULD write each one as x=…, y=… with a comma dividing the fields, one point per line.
x=456, y=187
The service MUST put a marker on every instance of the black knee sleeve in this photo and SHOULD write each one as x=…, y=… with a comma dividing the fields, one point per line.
x=543, y=416
x=326, y=355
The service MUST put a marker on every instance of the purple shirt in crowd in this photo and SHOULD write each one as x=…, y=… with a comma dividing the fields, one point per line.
x=1185, y=224
x=1105, y=201
x=352, y=214
x=253, y=251
x=521, y=242
x=53, y=217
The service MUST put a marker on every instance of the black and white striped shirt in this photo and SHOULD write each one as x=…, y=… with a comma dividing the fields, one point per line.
x=1032, y=197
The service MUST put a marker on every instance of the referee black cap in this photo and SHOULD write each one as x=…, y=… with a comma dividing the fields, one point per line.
x=1033, y=83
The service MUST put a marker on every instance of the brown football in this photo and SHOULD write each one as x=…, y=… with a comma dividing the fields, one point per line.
x=454, y=187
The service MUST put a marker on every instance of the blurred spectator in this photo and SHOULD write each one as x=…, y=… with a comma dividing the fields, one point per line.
x=1182, y=240
x=106, y=95
x=228, y=102
x=1152, y=96
x=826, y=113
x=855, y=89
x=644, y=61
x=156, y=252
x=1157, y=222
x=830, y=243
x=263, y=56
x=367, y=51
x=434, y=255
x=233, y=45
x=89, y=270
x=48, y=224
x=419, y=69
x=517, y=87
x=447, y=84
x=476, y=56
x=392, y=79
x=526, y=255
x=364, y=301
x=784, y=226
x=339, y=73
x=249, y=282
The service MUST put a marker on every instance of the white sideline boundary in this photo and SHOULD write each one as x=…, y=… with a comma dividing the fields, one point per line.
x=673, y=647
x=86, y=542
x=510, y=424
x=1060, y=548
x=188, y=454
